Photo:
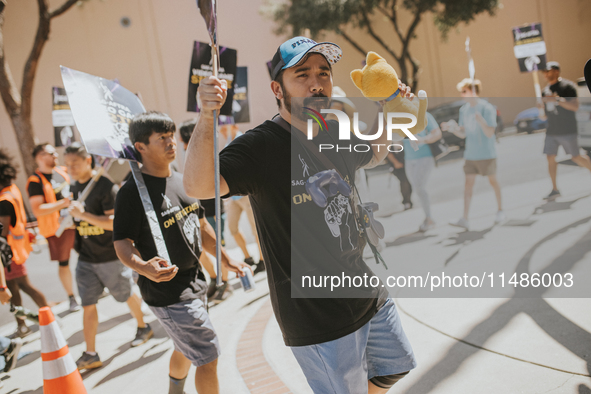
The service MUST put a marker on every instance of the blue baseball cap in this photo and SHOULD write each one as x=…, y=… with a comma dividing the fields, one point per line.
x=292, y=51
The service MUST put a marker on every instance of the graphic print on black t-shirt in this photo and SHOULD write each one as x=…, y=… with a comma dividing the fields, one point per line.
x=333, y=248
x=178, y=216
x=259, y=164
x=95, y=244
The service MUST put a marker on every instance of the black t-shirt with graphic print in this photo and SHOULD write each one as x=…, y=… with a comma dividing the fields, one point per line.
x=95, y=244
x=297, y=235
x=561, y=121
x=178, y=216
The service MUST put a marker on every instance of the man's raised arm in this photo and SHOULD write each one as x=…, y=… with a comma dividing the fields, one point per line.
x=198, y=175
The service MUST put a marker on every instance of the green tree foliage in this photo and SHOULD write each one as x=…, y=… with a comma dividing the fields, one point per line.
x=339, y=16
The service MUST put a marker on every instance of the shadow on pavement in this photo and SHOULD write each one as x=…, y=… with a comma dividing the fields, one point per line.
x=519, y=223
x=553, y=206
x=158, y=333
x=574, y=338
x=38, y=391
x=78, y=337
x=28, y=359
x=67, y=312
x=133, y=366
x=466, y=237
x=409, y=238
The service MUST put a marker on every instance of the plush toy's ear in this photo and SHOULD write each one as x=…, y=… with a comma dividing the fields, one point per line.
x=357, y=77
x=373, y=57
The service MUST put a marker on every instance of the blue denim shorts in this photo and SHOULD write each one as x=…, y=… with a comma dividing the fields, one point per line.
x=343, y=366
x=187, y=323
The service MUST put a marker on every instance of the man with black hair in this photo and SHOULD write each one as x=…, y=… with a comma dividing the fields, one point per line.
x=343, y=345
x=98, y=266
x=49, y=197
x=175, y=290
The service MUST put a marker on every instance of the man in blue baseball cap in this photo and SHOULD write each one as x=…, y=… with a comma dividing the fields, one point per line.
x=343, y=345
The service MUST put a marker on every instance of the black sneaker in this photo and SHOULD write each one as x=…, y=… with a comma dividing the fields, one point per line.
x=89, y=361
x=222, y=293
x=249, y=261
x=260, y=267
x=11, y=354
x=142, y=335
x=22, y=331
x=553, y=195
x=211, y=288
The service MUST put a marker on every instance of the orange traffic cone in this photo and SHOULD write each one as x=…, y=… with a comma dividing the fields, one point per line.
x=60, y=375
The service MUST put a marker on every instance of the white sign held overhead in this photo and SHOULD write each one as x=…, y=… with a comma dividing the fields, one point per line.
x=529, y=47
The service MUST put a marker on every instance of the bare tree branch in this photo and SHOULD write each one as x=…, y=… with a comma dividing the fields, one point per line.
x=394, y=20
x=8, y=90
x=405, y=48
x=352, y=42
x=33, y=59
x=63, y=8
x=384, y=11
x=411, y=29
x=376, y=37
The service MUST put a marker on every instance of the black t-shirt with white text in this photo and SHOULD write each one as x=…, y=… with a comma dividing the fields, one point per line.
x=270, y=166
x=561, y=121
x=178, y=216
x=95, y=244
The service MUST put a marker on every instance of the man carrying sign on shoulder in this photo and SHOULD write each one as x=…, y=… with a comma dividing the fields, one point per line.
x=343, y=345
x=175, y=290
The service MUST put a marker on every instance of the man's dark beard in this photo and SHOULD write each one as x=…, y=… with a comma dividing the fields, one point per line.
x=316, y=102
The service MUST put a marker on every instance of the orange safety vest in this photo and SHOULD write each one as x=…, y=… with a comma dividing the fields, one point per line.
x=48, y=224
x=18, y=237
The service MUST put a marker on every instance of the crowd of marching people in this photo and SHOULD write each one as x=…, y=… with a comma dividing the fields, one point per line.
x=343, y=345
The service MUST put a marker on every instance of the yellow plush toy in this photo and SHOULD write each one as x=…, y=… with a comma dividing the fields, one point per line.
x=378, y=81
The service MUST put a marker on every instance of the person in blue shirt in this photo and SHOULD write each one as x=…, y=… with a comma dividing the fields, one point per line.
x=419, y=164
x=478, y=121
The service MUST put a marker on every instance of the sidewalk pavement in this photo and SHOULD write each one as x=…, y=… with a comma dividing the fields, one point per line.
x=492, y=345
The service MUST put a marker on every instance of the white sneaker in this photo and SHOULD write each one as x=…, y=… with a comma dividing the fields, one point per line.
x=427, y=225
x=461, y=222
x=500, y=217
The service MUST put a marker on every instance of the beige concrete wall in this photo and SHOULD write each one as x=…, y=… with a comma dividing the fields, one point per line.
x=152, y=55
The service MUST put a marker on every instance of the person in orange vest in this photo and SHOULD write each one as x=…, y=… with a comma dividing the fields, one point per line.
x=9, y=348
x=14, y=219
x=98, y=266
x=48, y=191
